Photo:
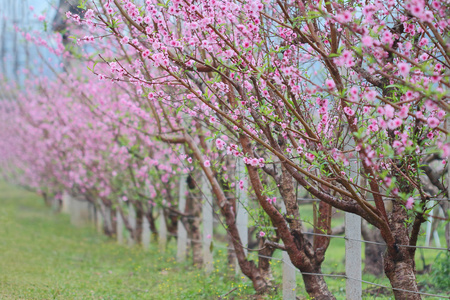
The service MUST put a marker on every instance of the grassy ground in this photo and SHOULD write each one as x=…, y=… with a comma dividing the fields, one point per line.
x=43, y=257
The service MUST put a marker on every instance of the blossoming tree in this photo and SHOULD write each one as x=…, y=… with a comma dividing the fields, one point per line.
x=343, y=98
x=309, y=86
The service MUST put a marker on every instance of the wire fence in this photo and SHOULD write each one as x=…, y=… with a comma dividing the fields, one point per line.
x=286, y=261
x=290, y=265
x=340, y=237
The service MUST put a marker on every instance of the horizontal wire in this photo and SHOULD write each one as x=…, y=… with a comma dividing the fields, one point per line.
x=359, y=240
x=315, y=199
x=363, y=281
x=331, y=275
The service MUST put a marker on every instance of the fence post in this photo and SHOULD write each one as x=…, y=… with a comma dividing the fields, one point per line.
x=353, y=271
x=241, y=205
x=79, y=212
x=181, y=230
x=145, y=233
x=132, y=222
x=353, y=285
x=119, y=223
x=98, y=217
x=65, y=202
x=289, y=273
x=162, y=231
x=207, y=214
x=91, y=212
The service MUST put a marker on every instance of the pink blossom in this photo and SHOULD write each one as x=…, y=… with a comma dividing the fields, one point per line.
x=403, y=69
x=370, y=95
x=396, y=144
x=409, y=203
x=241, y=185
x=349, y=111
x=146, y=53
x=220, y=144
x=433, y=122
x=262, y=233
x=441, y=114
x=330, y=84
x=124, y=40
x=389, y=111
x=310, y=156
x=207, y=163
x=367, y=41
x=394, y=123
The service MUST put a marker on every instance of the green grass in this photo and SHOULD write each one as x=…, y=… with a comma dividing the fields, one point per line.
x=43, y=257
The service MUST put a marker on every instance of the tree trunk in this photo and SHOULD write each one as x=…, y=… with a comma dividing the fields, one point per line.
x=193, y=208
x=402, y=276
x=399, y=264
x=151, y=221
x=316, y=287
x=113, y=222
x=139, y=222
x=264, y=263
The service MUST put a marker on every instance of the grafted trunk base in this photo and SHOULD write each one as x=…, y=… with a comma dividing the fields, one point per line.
x=316, y=287
x=402, y=276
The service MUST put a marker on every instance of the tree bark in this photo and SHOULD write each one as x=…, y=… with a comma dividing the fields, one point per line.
x=402, y=276
x=139, y=222
x=193, y=208
x=151, y=221
x=399, y=264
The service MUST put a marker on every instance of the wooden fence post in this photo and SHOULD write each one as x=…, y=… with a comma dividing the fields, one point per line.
x=207, y=214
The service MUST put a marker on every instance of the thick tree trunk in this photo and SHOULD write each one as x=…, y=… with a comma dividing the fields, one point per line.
x=264, y=262
x=399, y=264
x=316, y=287
x=402, y=276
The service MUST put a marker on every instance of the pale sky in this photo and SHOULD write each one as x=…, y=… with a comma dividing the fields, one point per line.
x=14, y=53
